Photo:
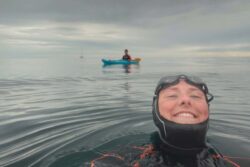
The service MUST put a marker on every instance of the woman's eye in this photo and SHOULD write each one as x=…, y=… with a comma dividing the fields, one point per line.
x=172, y=96
x=196, y=96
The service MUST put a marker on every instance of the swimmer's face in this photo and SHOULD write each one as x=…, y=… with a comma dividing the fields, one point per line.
x=183, y=103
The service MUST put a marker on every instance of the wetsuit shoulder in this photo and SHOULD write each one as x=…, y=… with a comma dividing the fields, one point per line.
x=133, y=156
x=219, y=160
x=107, y=160
x=209, y=156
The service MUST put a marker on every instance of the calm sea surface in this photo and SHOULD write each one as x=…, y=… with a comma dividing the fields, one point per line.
x=60, y=112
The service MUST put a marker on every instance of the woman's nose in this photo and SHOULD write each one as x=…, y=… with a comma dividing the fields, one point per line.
x=185, y=100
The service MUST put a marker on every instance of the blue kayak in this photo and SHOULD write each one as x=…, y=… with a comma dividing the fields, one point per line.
x=120, y=61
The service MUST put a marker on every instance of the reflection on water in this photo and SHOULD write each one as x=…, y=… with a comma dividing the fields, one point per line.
x=59, y=110
x=128, y=68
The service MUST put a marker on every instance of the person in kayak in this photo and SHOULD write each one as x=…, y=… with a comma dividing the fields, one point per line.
x=181, y=113
x=126, y=56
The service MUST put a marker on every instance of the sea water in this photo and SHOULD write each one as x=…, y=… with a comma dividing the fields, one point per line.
x=54, y=111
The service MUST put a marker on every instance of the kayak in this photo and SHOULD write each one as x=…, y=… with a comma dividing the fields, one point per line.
x=120, y=61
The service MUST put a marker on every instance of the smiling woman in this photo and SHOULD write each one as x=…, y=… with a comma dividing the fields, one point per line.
x=181, y=113
x=183, y=103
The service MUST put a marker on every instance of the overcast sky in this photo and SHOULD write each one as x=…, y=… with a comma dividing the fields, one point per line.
x=107, y=27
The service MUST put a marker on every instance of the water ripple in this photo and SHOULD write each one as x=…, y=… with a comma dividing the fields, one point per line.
x=44, y=119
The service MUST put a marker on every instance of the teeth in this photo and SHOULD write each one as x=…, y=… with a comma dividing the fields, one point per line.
x=185, y=115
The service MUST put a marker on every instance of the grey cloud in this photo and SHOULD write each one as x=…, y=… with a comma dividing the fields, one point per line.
x=150, y=23
x=221, y=49
x=130, y=11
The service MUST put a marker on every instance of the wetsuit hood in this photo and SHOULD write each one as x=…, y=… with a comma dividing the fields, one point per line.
x=181, y=139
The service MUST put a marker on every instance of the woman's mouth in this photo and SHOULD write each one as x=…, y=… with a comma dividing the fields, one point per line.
x=185, y=114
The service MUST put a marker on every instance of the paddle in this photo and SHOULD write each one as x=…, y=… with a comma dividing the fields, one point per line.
x=137, y=59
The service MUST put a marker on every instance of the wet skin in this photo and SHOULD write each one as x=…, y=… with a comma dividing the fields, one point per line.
x=183, y=103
